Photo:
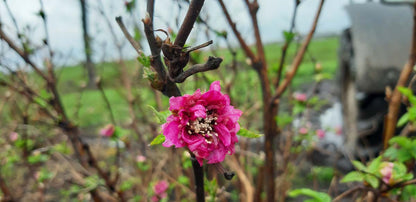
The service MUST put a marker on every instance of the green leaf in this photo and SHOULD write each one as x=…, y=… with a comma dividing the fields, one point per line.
x=158, y=140
x=183, y=180
x=374, y=165
x=372, y=180
x=401, y=141
x=288, y=36
x=403, y=120
x=144, y=60
x=405, y=91
x=126, y=185
x=284, y=120
x=37, y=158
x=161, y=116
x=315, y=195
x=248, y=134
x=359, y=166
x=409, y=193
x=353, y=176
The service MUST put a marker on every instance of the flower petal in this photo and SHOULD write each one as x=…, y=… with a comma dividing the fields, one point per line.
x=223, y=134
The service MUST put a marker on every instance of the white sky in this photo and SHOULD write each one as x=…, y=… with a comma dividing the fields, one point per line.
x=64, y=21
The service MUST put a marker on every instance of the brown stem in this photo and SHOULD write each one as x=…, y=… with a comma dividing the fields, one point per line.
x=22, y=54
x=390, y=119
x=286, y=45
x=126, y=33
x=253, y=7
x=299, y=56
x=169, y=88
x=188, y=23
x=240, y=39
x=348, y=192
x=211, y=64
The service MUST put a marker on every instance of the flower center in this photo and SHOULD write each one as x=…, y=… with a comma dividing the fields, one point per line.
x=204, y=127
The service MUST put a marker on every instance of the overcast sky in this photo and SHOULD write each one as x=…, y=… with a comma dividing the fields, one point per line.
x=64, y=21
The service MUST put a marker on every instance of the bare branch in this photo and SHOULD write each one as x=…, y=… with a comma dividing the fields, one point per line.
x=188, y=23
x=126, y=33
x=299, y=56
x=22, y=54
x=211, y=64
x=243, y=44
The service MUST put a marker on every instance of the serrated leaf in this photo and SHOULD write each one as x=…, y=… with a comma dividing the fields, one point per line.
x=372, y=180
x=359, y=166
x=161, y=116
x=158, y=140
x=315, y=195
x=403, y=120
x=248, y=134
x=353, y=176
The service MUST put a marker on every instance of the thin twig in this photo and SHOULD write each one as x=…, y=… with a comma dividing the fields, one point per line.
x=299, y=56
x=126, y=33
x=211, y=64
x=240, y=39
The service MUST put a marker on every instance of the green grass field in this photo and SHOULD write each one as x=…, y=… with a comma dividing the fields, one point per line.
x=89, y=110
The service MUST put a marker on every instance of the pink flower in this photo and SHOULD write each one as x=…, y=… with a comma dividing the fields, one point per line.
x=301, y=97
x=320, y=133
x=13, y=136
x=160, y=189
x=108, y=130
x=387, y=172
x=303, y=131
x=205, y=123
x=140, y=158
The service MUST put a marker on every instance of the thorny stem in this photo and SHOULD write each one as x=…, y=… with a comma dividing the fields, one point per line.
x=390, y=119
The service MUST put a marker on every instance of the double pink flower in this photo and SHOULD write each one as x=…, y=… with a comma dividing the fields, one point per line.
x=205, y=123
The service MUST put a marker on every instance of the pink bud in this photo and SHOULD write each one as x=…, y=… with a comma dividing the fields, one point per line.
x=303, y=131
x=13, y=136
x=320, y=133
x=108, y=130
x=387, y=172
x=140, y=158
x=301, y=97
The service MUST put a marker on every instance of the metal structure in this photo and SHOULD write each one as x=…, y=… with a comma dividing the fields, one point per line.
x=372, y=53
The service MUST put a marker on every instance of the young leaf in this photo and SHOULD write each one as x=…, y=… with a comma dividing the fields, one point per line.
x=158, y=140
x=248, y=134
x=353, y=176
x=288, y=36
x=144, y=60
x=372, y=180
x=161, y=116
x=403, y=120
x=316, y=196
x=359, y=166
